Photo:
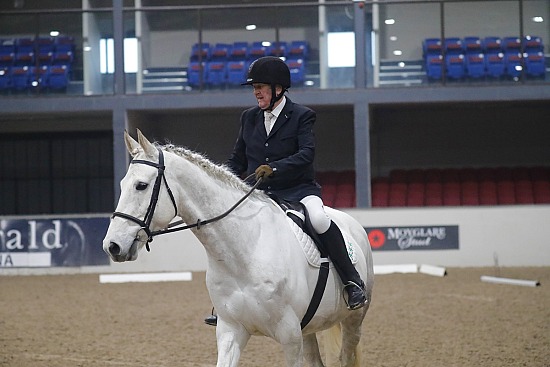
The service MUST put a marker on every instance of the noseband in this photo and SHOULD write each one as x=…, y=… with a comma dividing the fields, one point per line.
x=146, y=222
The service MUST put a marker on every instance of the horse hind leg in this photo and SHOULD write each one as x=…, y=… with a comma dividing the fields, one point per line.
x=311, y=351
x=350, y=355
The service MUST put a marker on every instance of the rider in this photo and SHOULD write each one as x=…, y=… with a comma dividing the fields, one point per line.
x=282, y=152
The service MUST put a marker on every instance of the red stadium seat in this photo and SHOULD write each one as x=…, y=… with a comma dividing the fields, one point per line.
x=433, y=194
x=524, y=192
x=451, y=193
x=506, y=192
x=380, y=189
x=469, y=193
x=541, y=192
x=488, y=193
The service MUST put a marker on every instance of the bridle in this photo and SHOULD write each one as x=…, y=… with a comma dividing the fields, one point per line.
x=146, y=222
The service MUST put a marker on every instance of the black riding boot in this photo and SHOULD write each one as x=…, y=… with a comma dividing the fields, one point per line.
x=212, y=319
x=333, y=242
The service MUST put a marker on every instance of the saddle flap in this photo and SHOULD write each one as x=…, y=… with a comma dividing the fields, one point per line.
x=311, y=252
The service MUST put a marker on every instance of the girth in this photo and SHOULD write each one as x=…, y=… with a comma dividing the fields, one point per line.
x=298, y=213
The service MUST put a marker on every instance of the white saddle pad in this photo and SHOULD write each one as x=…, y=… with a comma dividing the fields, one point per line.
x=311, y=251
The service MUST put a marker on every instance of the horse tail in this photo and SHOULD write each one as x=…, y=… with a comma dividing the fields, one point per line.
x=332, y=342
x=332, y=339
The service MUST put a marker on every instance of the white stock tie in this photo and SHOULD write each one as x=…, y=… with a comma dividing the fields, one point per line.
x=269, y=120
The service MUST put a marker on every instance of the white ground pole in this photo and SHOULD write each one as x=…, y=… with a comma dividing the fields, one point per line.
x=498, y=280
x=437, y=271
x=145, y=277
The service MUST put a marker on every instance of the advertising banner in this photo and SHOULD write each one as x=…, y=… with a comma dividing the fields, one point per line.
x=52, y=242
x=413, y=238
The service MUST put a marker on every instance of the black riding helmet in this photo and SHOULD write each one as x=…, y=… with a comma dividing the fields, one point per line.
x=269, y=70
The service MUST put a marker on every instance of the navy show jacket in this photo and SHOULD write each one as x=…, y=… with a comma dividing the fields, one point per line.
x=289, y=150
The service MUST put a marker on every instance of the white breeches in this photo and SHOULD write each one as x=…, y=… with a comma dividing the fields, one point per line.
x=319, y=218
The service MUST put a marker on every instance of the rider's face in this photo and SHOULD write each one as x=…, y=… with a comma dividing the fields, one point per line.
x=263, y=94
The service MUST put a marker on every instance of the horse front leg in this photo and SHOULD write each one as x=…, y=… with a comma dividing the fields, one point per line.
x=291, y=340
x=231, y=340
x=311, y=351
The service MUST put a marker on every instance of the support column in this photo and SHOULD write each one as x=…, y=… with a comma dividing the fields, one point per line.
x=118, y=38
x=362, y=154
x=120, y=154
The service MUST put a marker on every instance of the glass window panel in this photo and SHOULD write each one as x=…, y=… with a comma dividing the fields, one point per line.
x=399, y=57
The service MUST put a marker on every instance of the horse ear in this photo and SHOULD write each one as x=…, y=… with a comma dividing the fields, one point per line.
x=132, y=145
x=147, y=146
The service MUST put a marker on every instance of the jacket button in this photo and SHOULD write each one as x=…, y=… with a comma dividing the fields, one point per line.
x=267, y=159
x=266, y=144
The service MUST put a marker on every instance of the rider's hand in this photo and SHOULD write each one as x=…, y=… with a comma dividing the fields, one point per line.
x=263, y=171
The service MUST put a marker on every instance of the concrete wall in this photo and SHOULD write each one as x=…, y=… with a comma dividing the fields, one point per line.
x=511, y=235
x=506, y=236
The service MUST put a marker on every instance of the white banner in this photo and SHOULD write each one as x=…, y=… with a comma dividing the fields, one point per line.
x=25, y=259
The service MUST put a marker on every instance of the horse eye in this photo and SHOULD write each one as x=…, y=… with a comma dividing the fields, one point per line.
x=141, y=186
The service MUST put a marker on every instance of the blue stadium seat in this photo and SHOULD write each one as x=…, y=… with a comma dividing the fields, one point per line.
x=511, y=45
x=239, y=51
x=24, y=58
x=216, y=73
x=495, y=65
x=472, y=45
x=5, y=78
x=297, y=69
x=455, y=66
x=45, y=57
x=513, y=64
x=24, y=45
x=475, y=65
x=492, y=45
x=431, y=46
x=24, y=51
x=220, y=51
x=434, y=67
x=278, y=49
x=7, y=52
x=64, y=44
x=453, y=46
x=200, y=51
x=532, y=44
x=41, y=76
x=45, y=44
x=236, y=72
x=257, y=50
x=194, y=73
x=21, y=77
x=45, y=48
x=58, y=77
x=534, y=64
x=63, y=58
x=298, y=49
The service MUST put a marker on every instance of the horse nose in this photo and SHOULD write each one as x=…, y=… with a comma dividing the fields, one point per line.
x=114, y=249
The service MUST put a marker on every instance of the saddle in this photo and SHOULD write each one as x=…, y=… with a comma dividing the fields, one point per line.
x=297, y=211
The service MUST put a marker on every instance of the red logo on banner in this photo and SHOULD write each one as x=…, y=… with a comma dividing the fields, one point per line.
x=377, y=238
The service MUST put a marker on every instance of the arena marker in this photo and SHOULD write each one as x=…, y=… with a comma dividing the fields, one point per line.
x=390, y=269
x=437, y=271
x=145, y=277
x=526, y=283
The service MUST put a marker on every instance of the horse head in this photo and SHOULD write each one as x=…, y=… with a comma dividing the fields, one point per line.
x=144, y=205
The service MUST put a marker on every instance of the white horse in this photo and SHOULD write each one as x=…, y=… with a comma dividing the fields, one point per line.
x=258, y=277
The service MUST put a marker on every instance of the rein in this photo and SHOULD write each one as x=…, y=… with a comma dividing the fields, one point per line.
x=146, y=222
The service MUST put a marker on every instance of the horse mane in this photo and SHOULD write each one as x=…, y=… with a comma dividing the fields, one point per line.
x=219, y=172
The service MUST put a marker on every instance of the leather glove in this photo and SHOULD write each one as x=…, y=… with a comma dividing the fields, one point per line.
x=263, y=171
